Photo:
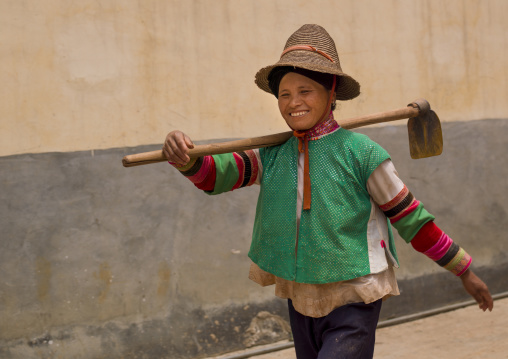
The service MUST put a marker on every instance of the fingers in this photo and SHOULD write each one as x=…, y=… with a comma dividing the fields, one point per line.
x=188, y=141
x=482, y=304
x=176, y=147
x=479, y=296
x=483, y=297
x=486, y=302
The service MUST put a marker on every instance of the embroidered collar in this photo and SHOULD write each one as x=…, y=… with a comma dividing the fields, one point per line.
x=324, y=128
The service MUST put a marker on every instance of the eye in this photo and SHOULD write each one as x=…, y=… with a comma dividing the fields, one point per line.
x=284, y=95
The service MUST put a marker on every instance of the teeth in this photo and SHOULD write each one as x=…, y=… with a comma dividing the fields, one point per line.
x=301, y=113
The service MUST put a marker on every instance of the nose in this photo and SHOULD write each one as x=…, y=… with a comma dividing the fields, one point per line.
x=295, y=101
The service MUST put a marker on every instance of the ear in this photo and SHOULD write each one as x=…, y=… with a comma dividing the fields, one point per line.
x=334, y=101
x=334, y=96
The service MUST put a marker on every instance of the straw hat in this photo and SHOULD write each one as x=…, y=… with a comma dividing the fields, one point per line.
x=311, y=47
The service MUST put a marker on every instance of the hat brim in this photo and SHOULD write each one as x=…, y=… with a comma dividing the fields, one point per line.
x=347, y=87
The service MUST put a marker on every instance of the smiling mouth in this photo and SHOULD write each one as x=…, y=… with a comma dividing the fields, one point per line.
x=298, y=114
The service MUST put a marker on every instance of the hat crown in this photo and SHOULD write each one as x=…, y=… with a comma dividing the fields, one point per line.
x=315, y=36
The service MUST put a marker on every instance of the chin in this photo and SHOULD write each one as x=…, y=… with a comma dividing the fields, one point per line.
x=300, y=126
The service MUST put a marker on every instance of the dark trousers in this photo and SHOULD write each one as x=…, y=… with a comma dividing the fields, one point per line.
x=347, y=332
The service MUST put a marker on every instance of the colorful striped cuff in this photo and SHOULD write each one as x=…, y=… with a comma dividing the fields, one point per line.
x=449, y=255
x=439, y=249
x=188, y=166
x=403, y=204
x=459, y=263
x=438, y=246
x=200, y=171
x=396, y=200
x=247, y=168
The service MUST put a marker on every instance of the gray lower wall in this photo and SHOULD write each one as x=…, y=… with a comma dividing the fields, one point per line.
x=100, y=261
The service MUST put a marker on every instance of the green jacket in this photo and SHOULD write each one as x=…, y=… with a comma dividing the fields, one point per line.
x=341, y=237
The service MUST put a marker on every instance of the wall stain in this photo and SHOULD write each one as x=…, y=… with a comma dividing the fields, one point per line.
x=164, y=276
x=43, y=267
x=105, y=276
x=266, y=328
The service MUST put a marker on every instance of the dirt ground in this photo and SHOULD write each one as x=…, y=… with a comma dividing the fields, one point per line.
x=466, y=333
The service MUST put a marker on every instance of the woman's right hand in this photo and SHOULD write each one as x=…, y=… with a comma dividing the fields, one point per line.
x=176, y=148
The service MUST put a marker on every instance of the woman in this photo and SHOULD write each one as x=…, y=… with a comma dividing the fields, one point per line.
x=328, y=196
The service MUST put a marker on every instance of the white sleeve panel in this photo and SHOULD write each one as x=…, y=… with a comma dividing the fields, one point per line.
x=384, y=183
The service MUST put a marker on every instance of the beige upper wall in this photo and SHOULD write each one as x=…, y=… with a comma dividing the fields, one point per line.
x=101, y=74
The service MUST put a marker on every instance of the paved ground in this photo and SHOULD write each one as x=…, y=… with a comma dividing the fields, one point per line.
x=465, y=333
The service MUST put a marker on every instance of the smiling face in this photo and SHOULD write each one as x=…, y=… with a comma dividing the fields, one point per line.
x=302, y=101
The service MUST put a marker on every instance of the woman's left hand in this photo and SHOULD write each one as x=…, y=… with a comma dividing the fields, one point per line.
x=478, y=290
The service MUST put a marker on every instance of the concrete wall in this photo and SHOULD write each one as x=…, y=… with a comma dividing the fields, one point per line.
x=99, y=261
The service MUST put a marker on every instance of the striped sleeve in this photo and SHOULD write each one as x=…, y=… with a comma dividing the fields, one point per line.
x=222, y=173
x=404, y=211
x=414, y=224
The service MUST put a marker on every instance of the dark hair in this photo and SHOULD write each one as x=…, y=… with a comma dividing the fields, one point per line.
x=276, y=75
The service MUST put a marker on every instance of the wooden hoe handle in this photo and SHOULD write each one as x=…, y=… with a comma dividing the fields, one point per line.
x=412, y=110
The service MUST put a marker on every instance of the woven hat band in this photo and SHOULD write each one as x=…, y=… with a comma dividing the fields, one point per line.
x=307, y=48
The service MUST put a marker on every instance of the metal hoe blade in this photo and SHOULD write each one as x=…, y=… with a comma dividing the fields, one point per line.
x=425, y=135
